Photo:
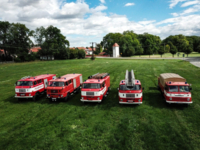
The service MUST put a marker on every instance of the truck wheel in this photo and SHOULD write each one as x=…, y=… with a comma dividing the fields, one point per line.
x=158, y=87
x=78, y=89
x=50, y=100
x=34, y=97
x=66, y=98
x=109, y=89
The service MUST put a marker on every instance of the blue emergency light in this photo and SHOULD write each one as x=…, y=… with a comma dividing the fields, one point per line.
x=137, y=81
x=122, y=81
x=98, y=80
x=185, y=82
x=65, y=78
x=169, y=82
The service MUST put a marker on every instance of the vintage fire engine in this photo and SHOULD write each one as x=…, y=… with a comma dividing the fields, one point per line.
x=175, y=88
x=31, y=87
x=130, y=90
x=63, y=87
x=95, y=88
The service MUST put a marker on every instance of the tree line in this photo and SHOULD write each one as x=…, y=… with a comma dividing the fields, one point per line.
x=16, y=40
x=147, y=44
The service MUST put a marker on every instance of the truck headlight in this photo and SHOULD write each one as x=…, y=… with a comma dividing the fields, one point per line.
x=61, y=95
x=139, y=100
x=188, y=99
x=170, y=98
x=98, y=98
x=29, y=94
x=121, y=100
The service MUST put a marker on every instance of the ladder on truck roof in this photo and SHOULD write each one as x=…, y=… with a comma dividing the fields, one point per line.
x=98, y=76
x=129, y=78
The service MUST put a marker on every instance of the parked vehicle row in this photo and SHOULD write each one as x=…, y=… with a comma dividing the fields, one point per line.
x=174, y=88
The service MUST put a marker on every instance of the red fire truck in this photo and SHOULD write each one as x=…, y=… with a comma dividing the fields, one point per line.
x=31, y=87
x=95, y=88
x=130, y=90
x=63, y=87
x=175, y=88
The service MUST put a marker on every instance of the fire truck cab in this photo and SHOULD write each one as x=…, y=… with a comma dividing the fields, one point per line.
x=175, y=88
x=130, y=90
x=95, y=88
x=31, y=87
x=63, y=87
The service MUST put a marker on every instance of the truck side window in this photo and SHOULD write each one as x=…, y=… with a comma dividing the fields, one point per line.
x=35, y=83
x=69, y=81
x=66, y=83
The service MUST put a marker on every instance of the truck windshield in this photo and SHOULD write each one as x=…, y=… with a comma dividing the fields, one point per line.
x=135, y=87
x=54, y=83
x=91, y=86
x=184, y=88
x=173, y=88
x=24, y=83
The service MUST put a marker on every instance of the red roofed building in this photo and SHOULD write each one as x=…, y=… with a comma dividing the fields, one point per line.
x=34, y=49
x=115, y=45
x=2, y=52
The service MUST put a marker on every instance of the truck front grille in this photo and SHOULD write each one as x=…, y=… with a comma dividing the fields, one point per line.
x=22, y=90
x=54, y=91
x=90, y=93
x=130, y=95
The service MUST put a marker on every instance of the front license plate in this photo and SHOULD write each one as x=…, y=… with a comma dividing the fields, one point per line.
x=22, y=94
x=130, y=101
x=53, y=98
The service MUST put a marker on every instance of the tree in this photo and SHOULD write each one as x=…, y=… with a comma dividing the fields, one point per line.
x=51, y=40
x=109, y=40
x=98, y=48
x=188, y=50
x=161, y=50
x=4, y=35
x=15, y=39
x=126, y=46
x=167, y=48
x=198, y=48
x=139, y=51
x=173, y=49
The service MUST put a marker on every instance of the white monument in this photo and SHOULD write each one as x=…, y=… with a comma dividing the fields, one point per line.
x=115, y=50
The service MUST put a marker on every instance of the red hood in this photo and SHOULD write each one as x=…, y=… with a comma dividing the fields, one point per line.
x=130, y=91
x=91, y=90
x=23, y=87
x=55, y=88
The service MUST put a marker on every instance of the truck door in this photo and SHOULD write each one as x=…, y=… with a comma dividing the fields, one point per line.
x=74, y=83
x=45, y=83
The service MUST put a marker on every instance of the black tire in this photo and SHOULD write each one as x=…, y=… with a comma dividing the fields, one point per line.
x=66, y=98
x=50, y=100
x=34, y=97
x=109, y=89
x=78, y=90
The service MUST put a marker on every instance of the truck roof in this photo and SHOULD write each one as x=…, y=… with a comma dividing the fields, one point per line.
x=123, y=82
x=171, y=77
x=37, y=77
x=95, y=81
x=66, y=77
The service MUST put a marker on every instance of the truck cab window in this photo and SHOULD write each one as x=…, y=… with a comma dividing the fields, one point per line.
x=35, y=83
x=173, y=88
x=66, y=83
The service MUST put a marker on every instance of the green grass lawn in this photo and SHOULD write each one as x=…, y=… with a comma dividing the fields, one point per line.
x=168, y=55
x=73, y=125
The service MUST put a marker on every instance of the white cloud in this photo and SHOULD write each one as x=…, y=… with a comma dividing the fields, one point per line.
x=175, y=14
x=175, y=2
x=71, y=19
x=129, y=4
x=190, y=3
x=102, y=1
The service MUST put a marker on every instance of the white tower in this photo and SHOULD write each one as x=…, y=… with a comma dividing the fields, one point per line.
x=115, y=50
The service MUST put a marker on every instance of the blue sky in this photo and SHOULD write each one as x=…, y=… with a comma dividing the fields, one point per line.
x=85, y=21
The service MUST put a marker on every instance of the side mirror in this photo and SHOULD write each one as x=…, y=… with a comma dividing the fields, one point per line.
x=143, y=88
x=15, y=84
x=190, y=88
x=118, y=89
